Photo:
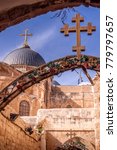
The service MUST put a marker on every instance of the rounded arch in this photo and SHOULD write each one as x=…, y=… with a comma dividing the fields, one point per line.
x=24, y=108
x=17, y=11
x=42, y=72
x=77, y=143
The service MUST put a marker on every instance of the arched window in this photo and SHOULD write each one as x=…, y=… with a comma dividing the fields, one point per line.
x=24, y=108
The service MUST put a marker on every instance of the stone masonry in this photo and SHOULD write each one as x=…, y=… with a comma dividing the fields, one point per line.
x=13, y=135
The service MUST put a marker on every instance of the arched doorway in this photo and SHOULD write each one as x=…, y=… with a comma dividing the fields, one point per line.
x=76, y=143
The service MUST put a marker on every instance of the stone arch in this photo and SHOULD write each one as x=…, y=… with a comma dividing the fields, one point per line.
x=78, y=143
x=45, y=71
x=14, y=12
x=24, y=108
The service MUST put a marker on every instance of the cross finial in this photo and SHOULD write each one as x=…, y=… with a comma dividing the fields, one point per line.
x=89, y=28
x=26, y=34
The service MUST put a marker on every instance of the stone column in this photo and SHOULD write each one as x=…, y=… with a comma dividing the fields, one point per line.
x=96, y=91
x=43, y=141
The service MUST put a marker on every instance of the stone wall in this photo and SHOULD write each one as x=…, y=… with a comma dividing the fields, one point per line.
x=67, y=118
x=83, y=118
x=13, y=136
x=96, y=89
x=57, y=138
x=59, y=123
x=37, y=95
x=72, y=96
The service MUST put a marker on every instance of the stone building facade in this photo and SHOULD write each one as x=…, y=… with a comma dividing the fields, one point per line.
x=61, y=106
x=69, y=112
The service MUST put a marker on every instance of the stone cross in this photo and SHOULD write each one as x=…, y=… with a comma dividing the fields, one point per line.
x=89, y=28
x=26, y=34
x=71, y=134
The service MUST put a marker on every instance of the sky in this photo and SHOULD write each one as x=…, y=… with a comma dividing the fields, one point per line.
x=50, y=43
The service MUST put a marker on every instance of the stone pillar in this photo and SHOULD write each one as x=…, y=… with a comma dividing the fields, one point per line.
x=43, y=141
x=96, y=91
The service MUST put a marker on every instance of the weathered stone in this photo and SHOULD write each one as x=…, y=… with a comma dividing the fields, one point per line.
x=78, y=109
x=12, y=135
x=17, y=11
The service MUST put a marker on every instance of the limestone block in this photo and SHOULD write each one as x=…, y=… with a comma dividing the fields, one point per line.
x=88, y=104
x=86, y=88
x=89, y=96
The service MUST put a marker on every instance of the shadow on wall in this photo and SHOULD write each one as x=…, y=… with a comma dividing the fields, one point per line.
x=52, y=142
x=76, y=143
x=59, y=99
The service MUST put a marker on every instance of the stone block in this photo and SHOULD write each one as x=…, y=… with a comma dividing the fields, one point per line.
x=87, y=88
x=88, y=104
x=89, y=96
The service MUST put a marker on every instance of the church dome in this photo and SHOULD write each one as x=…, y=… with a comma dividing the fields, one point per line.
x=54, y=82
x=24, y=56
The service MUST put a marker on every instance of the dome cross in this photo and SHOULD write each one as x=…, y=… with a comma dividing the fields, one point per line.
x=26, y=34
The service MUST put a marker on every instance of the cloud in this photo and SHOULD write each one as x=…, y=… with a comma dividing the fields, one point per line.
x=41, y=39
x=37, y=41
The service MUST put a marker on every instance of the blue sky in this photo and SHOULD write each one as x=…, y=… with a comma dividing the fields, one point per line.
x=50, y=43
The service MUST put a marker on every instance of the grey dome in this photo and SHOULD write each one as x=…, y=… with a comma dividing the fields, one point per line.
x=54, y=82
x=24, y=56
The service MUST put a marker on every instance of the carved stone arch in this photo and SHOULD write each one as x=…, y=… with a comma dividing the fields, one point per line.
x=79, y=143
x=14, y=12
x=45, y=71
